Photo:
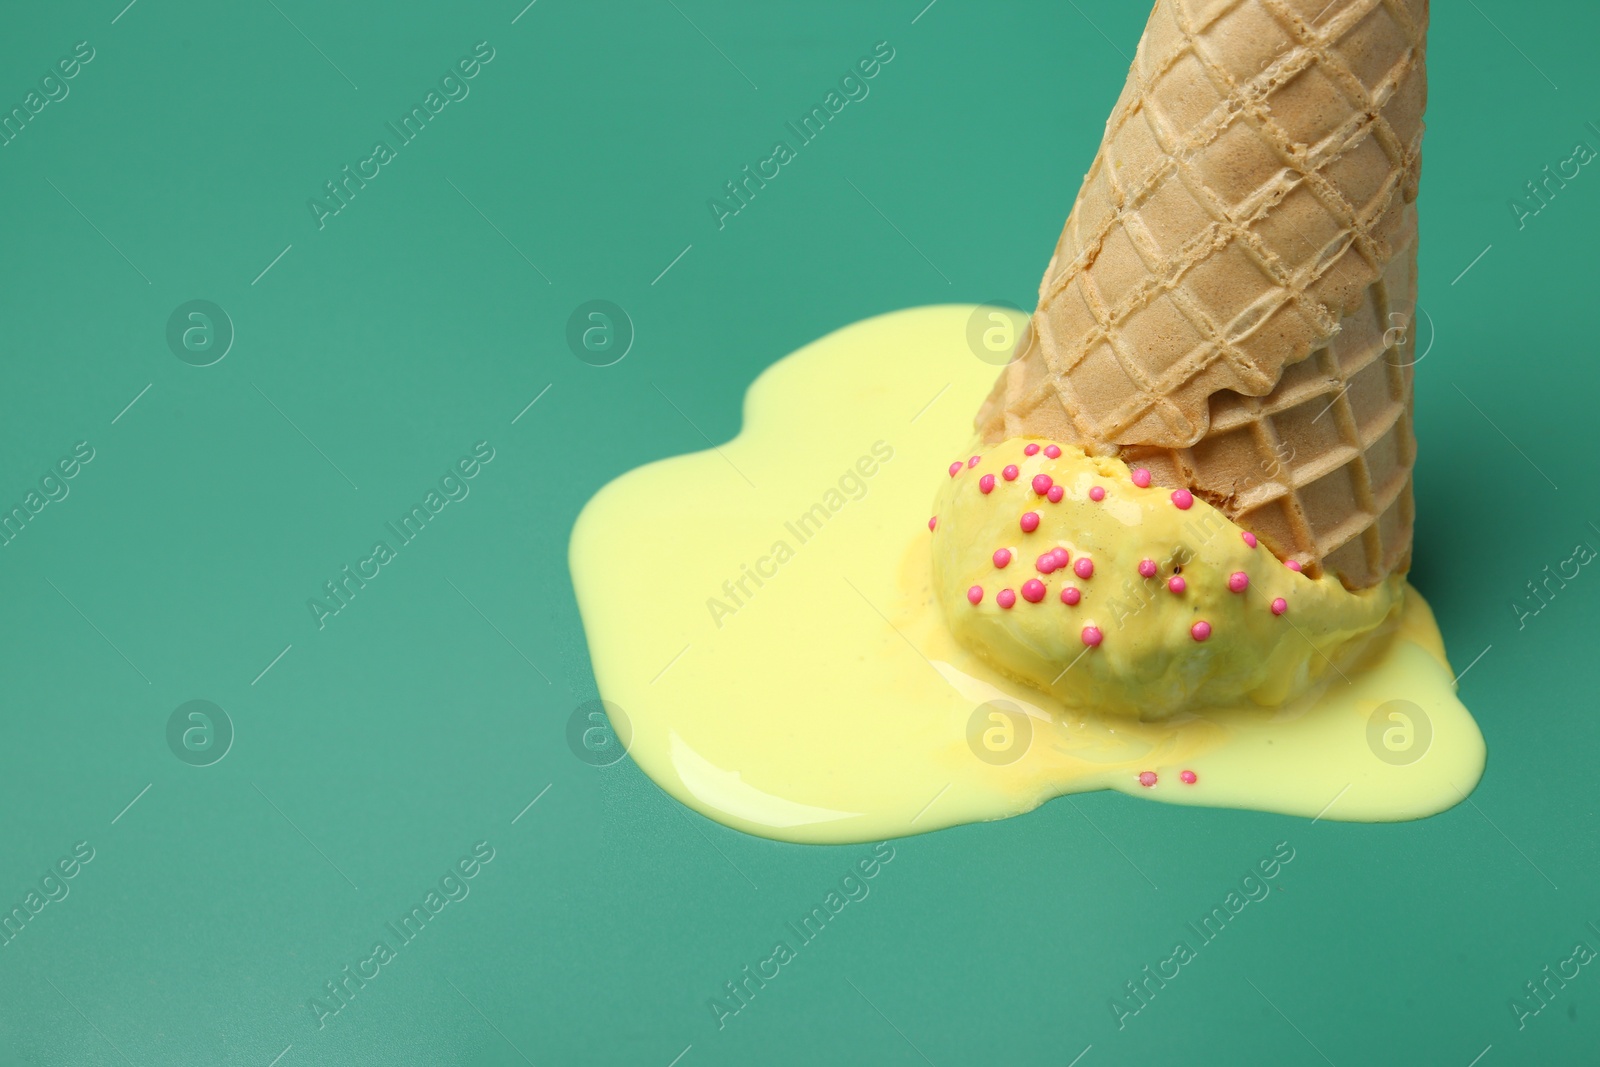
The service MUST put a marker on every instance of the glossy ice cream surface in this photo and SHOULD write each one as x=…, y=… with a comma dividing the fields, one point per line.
x=1066, y=573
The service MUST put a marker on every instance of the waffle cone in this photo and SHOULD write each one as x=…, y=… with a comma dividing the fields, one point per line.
x=1229, y=302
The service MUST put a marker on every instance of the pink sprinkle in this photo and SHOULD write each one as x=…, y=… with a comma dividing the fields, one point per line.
x=933, y=522
x=1002, y=557
x=1030, y=521
x=1147, y=778
x=1010, y=473
x=975, y=594
x=1188, y=777
x=1006, y=599
x=986, y=484
x=955, y=468
x=1052, y=451
x=1141, y=477
x=1249, y=538
x=1177, y=584
x=1097, y=494
x=1084, y=567
x=1279, y=606
x=1200, y=630
x=1047, y=563
x=1055, y=494
x=1031, y=450
x=1033, y=590
x=1147, y=568
x=1070, y=595
x=1293, y=565
x=1092, y=636
x=1061, y=556
x=973, y=462
x=1042, y=483
x=1182, y=499
x=1238, y=582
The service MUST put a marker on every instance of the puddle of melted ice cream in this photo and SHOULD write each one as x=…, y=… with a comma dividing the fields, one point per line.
x=780, y=652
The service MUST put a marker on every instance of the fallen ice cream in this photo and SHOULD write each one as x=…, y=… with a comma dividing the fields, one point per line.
x=1172, y=562
x=1217, y=314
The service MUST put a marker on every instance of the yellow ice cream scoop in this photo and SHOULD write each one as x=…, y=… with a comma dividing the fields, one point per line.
x=1076, y=575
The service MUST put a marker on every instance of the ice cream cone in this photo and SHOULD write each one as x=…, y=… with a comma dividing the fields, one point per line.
x=1230, y=301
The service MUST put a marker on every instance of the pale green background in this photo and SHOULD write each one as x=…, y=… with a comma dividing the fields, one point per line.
x=418, y=721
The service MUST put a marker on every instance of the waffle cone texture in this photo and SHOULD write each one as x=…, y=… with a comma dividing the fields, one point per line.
x=1230, y=303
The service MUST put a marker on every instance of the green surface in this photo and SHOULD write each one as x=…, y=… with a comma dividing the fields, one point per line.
x=427, y=714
